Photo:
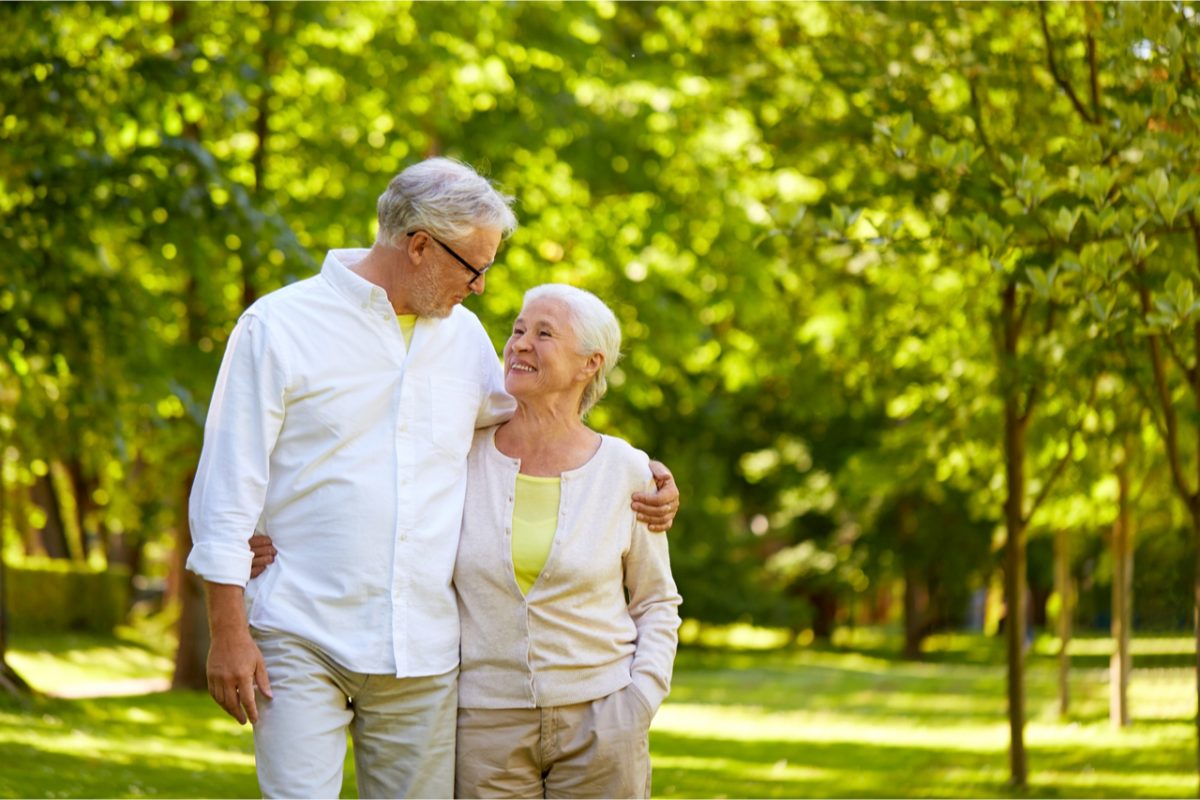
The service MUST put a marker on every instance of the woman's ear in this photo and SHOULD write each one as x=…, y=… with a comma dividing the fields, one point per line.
x=593, y=365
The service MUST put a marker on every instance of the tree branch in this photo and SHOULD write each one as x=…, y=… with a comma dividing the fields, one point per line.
x=1058, y=78
x=1171, y=422
x=977, y=116
x=1066, y=459
x=1190, y=372
x=1034, y=395
x=1148, y=402
x=1188, y=75
x=1094, y=74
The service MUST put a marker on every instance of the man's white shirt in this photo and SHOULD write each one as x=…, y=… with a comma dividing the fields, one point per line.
x=349, y=449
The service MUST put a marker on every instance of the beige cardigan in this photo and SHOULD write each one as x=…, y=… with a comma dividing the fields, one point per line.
x=573, y=638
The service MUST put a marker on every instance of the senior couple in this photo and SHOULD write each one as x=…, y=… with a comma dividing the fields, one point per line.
x=459, y=571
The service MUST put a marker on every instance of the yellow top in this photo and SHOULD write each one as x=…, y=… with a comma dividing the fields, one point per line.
x=535, y=520
x=407, y=323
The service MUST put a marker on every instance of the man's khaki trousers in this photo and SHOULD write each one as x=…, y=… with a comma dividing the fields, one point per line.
x=595, y=749
x=403, y=728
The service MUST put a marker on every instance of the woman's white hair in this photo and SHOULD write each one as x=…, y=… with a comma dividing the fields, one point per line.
x=445, y=197
x=595, y=327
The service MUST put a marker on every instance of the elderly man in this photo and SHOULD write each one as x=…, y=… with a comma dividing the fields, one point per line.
x=339, y=426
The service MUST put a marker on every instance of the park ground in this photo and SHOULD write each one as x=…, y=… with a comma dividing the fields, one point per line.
x=748, y=716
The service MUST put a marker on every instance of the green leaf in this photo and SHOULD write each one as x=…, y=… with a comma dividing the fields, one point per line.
x=1040, y=281
x=1158, y=184
x=1064, y=223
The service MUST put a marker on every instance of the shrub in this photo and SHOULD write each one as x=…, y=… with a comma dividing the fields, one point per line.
x=55, y=595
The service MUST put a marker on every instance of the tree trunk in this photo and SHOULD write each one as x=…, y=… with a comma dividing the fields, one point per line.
x=1066, y=605
x=83, y=487
x=915, y=602
x=825, y=606
x=54, y=534
x=10, y=681
x=1121, y=661
x=31, y=539
x=1195, y=509
x=192, y=654
x=1014, y=523
x=914, y=623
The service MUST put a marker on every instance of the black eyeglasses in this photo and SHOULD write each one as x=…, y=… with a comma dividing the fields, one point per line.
x=476, y=274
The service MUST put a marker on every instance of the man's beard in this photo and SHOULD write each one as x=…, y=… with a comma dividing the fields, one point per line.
x=427, y=296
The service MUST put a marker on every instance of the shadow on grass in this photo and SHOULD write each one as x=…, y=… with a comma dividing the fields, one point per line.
x=806, y=680
x=33, y=771
x=687, y=766
x=159, y=745
x=169, y=744
x=867, y=684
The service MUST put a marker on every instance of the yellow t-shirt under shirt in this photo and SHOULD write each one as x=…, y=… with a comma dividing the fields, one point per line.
x=408, y=322
x=535, y=520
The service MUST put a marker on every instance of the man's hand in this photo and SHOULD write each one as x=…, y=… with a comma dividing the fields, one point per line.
x=658, y=510
x=235, y=665
x=264, y=553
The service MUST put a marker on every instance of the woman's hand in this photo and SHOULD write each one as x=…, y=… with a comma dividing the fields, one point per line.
x=656, y=509
x=264, y=553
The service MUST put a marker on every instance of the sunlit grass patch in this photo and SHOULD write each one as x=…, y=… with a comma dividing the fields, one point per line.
x=52, y=662
x=738, y=636
x=825, y=723
x=782, y=722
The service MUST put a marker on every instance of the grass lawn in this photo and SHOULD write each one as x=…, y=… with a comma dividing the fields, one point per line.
x=774, y=722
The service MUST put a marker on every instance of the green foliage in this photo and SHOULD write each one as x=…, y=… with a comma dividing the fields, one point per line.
x=1162, y=583
x=804, y=215
x=48, y=595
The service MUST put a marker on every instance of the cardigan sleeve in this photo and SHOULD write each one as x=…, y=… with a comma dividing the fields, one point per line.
x=654, y=606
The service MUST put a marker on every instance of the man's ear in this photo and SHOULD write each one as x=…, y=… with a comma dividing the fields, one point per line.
x=417, y=243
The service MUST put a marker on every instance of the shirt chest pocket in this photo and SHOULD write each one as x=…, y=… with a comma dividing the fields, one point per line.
x=453, y=410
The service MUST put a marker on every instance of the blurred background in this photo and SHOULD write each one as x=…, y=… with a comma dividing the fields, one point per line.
x=909, y=291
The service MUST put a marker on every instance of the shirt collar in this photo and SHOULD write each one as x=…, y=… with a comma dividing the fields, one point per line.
x=355, y=288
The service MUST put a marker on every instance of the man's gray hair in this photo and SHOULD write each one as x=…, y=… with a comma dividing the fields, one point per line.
x=445, y=197
x=594, y=325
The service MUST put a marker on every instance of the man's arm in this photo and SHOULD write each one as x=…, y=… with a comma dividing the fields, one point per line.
x=244, y=421
x=658, y=509
x=235, y=665
x=496, y=405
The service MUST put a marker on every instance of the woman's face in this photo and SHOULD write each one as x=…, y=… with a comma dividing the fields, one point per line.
x=541, y=357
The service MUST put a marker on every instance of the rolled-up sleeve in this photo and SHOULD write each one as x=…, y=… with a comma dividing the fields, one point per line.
x=244, y=420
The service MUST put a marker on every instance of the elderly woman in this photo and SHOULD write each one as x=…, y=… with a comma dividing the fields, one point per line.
x=561, y=674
